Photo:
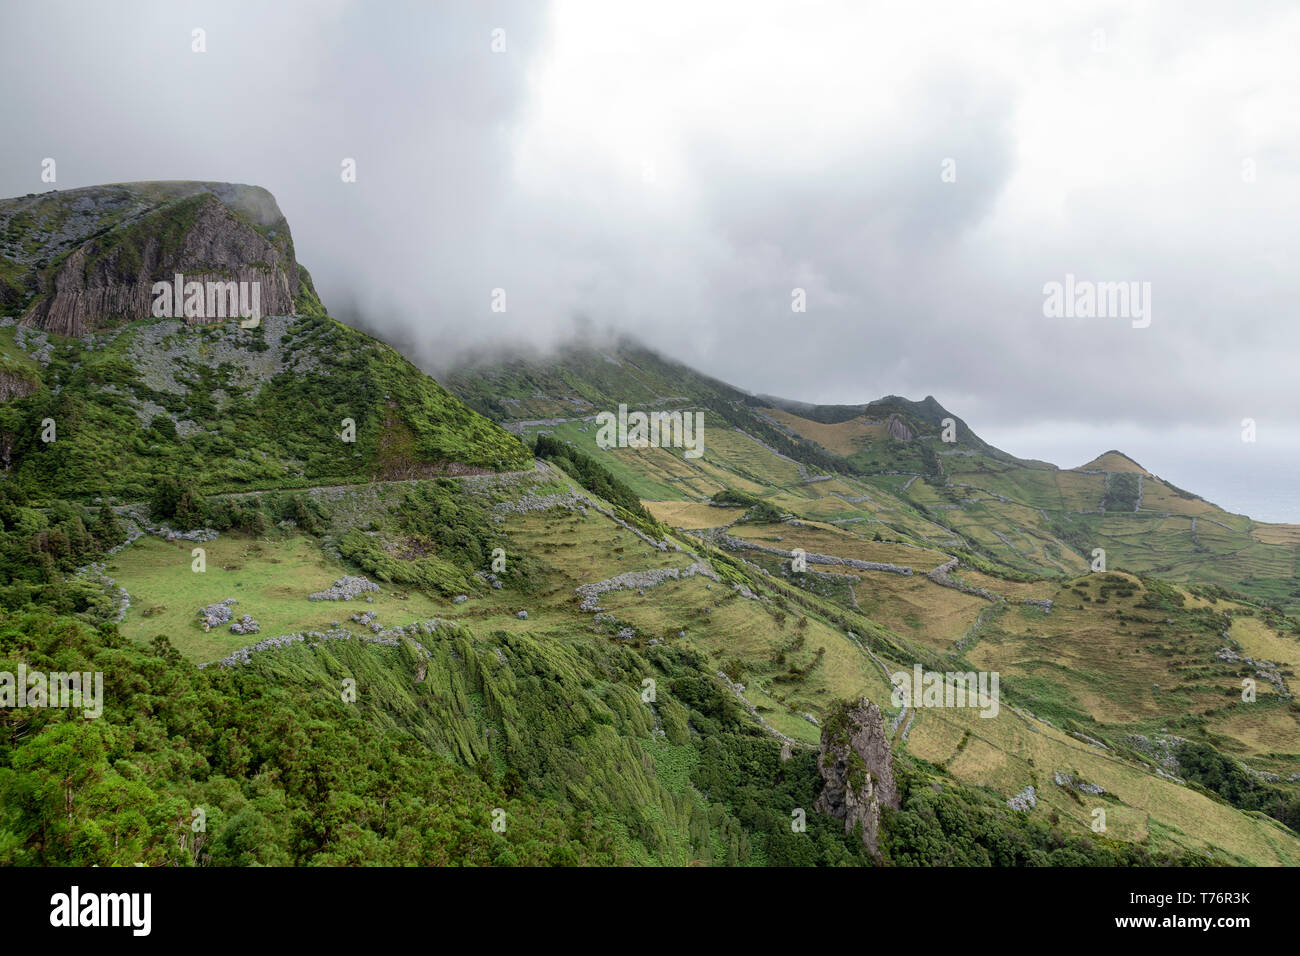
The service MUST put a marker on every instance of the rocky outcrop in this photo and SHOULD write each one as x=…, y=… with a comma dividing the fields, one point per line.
x=215, y=615
x=1025, y=800
x=1265, y=670
x=857, y=770
x=207, y=232
x=346, y=588
x=897, y=428
x=1163, y=749
x=16, y=385
x=1069, y=781
x=245, y=625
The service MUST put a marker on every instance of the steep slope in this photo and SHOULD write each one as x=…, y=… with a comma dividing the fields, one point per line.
x=396, y=664
x=578, y=382
x=889, y=468
x=87, y=259
x=102, y=399
x=1111, y=682
x=654, y=699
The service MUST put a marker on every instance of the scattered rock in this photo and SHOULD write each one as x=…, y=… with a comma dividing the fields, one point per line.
x=1071, y=782
x=1024, y=801
x=245, y=625
x=215, y=615
x=345, y=589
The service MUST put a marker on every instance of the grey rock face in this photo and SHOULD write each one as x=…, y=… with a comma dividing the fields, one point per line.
x=897, y=428
x=101, y=283
x=857, y=769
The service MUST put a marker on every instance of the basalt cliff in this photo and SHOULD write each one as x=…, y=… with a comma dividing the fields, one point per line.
x=82, y=260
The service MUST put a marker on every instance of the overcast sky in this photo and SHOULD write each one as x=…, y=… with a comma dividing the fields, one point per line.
x=675, y=170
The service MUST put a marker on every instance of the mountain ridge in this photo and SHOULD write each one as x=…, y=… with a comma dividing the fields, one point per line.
x=1025, y=514
x=610, y=645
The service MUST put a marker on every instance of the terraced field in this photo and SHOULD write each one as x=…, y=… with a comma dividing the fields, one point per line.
x=269, y=578
x=1103, y=674
x=1089, y=663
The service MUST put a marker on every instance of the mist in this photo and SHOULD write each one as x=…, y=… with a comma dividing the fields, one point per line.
x=676, y=171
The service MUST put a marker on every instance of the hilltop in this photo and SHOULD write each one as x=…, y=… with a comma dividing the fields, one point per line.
x=86, y=259
x=885, y=467
x=1115, y=461
x=296, y=400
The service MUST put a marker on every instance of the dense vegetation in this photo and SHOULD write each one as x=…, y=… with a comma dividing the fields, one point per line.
x=280, y=772
x=1201, y=764
x=593, y=476
x=951, y=825
x=1122, y=492
x=40, y=548
x=730, y=498
x=283, y=771
x=221, y=434
x=435, y=539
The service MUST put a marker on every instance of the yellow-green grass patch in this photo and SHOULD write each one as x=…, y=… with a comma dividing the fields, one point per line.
x=269, y=579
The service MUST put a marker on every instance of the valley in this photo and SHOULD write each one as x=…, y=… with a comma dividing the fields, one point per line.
x=357, y=643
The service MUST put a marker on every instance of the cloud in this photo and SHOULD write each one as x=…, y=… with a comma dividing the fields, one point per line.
x=675, y=170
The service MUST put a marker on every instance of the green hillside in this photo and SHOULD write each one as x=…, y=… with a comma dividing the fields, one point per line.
x=440, y=644
x=1023, y=516
x=221, y=408
x=130, y=400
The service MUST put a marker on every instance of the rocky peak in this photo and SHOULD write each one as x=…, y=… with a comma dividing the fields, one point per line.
x=93, y=255
x=857, y=769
